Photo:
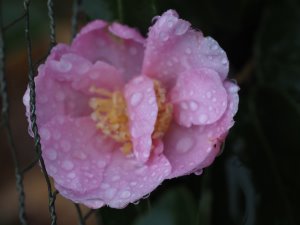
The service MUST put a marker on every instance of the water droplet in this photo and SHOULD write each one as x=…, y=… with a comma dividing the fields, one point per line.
x=104, y=186
x=155, y=18
x=151, y=100
x=83, y=68
x=94, y=75
x=170, y=24
x=175, y=59
x=51, y=154
x=66, y=146
x=136, y=202
x=138, y=80
x=67, y=165
x=110, y=193
x=214, y=100
x=233, y=89
x=71, y=175
x=193, y=105
x=188, y=51
x=208, y=94
x=52, y=169
x=43, y=99
x=224, y=61
x=203, y=118
x=136, y=98
x=62, y=66
x=146, y=196
x=115, y=178
x=198, y=172
x=79, y=155
x=45, y=134
x=214, y=47
x=101, y=164
x=184, y=105
x=181, y=28
x=163, y=36
x=133, y=183
x=184, y=144
x=125, y=194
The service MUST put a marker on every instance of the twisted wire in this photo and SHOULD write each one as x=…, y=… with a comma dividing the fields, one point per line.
x=74, y=21
x=34, y=127
x=50, y=6
x=6, y=124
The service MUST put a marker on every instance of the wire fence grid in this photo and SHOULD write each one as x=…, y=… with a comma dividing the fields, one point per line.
x=20, y=172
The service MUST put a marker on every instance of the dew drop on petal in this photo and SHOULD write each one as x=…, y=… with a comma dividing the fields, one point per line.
x=104, y=186
x=136, y=98
x=133, y=183
x=184, y=105
x=67, y=165
x=181, y=28
x=151, y=100
x=198, y=172
x=224, y=61
x=101, y=164
x=188, y=51
x=203, y=118
x=193, y=105
x=51, y=154
x=45, y=134
x=66, y=146
x=71, y=175
x=125, y=194
x=115, y=178
x=110, y=193
x=184, y=144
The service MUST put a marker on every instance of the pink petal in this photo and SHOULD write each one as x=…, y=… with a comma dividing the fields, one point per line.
x=126, y=180
x=92, y=170
x=55, y=98
x=99, y=75
x=75, y=154
x=173, y=47
x=126, y=32
x=192, y=149
x=69, y=66
x=122, y=47
x=199, y=97
x=142, y=110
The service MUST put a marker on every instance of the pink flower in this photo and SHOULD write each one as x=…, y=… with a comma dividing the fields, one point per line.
x=118, y=113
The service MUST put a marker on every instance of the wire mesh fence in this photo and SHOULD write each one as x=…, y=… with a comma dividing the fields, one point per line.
x=19, y=171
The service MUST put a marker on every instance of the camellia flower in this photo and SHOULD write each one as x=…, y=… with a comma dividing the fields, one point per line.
x=118, y=113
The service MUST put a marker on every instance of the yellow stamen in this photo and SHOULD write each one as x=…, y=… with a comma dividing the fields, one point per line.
x=165, y=111
x=110, y=115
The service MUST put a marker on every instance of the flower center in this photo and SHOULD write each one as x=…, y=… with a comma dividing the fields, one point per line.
x=110, y=115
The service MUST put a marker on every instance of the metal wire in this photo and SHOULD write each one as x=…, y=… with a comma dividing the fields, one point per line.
x=6, y=124
x=34, y=127
x=19, y=173
x=76, y=9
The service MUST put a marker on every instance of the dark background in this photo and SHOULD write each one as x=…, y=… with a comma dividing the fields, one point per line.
x=256, y=180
